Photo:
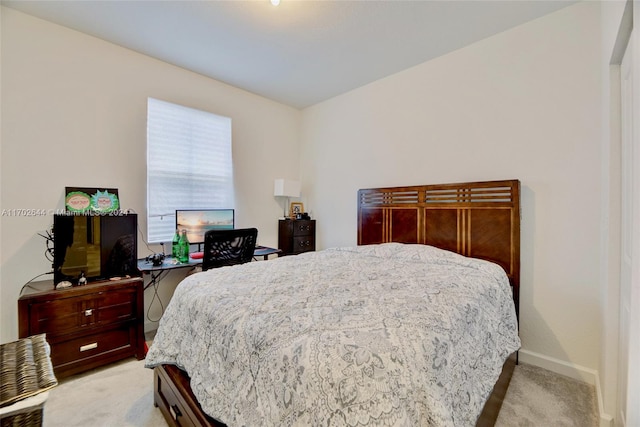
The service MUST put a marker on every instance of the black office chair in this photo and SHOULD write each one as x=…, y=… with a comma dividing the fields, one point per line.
x=228, y=247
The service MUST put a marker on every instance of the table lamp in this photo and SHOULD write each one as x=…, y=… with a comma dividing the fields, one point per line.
x=286, y=188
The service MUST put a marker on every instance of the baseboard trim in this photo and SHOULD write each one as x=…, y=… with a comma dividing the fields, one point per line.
x=606, y=420
x=570, y=370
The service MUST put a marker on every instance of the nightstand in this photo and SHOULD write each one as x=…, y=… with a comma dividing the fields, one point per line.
x=296, y=236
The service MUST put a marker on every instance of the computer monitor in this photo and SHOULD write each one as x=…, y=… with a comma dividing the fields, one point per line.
x=199, y=221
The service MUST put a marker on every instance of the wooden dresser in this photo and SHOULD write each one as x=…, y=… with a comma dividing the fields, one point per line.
x=86, y=326
x=296, y=236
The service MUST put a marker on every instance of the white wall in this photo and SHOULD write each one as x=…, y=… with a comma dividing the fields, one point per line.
x=74, y=114
x=523, y=104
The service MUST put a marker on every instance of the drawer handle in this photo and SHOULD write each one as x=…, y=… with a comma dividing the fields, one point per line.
x=88, y=346
x=88, y=312
x=305, y=228
x=306, y=243
x=175, y=412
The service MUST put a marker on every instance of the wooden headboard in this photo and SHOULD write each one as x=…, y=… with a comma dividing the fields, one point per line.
x=475, y=219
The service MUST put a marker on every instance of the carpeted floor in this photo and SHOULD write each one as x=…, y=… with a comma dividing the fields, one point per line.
x=121, y=395
x=537, y=397
x=118, y=395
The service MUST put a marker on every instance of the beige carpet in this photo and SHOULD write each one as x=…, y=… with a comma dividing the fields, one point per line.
x=117, y=395
x=537, y=397
x=121, y=395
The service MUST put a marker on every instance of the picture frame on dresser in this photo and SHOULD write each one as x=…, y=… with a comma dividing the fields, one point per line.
x=295, y=208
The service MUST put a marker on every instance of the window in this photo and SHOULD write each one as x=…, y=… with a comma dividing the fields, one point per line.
x=189, y=164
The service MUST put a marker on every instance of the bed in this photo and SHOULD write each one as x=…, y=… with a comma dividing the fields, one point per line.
x=342, y=336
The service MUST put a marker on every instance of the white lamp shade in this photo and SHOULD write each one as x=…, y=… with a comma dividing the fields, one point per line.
x=286, y=188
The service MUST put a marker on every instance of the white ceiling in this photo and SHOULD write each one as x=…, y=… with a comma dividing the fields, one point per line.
x=300, y=52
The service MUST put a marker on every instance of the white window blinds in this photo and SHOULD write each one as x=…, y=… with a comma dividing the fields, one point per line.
x=189, y=164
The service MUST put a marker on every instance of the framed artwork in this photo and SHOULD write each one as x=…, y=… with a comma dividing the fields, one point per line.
x=86, y=200
x=295, y=209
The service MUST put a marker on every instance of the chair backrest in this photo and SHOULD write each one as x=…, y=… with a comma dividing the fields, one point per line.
x=228, y=247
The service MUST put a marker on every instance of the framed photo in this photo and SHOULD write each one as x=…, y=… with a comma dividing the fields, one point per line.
x=295, y=209
x=84, y=200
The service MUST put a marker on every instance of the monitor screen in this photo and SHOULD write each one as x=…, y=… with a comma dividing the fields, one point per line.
x=199, y=221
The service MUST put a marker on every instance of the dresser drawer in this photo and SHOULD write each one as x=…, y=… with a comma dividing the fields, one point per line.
x=304, y=228
x=79, y=351
x=68, y=315
x=117, y=306
x=304, y=244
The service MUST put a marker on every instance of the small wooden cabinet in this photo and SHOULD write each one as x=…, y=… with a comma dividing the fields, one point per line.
x=296, y=236
x=86, y=326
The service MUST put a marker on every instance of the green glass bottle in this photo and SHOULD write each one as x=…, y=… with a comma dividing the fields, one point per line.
x=175, y=245
x=184, y=247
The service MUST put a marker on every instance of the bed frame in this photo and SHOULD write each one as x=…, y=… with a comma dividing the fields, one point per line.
x=476, y=219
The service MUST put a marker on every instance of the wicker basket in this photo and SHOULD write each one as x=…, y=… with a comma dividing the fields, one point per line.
x=25, y=373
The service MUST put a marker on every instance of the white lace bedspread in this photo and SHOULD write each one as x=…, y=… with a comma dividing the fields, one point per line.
x=380, y=335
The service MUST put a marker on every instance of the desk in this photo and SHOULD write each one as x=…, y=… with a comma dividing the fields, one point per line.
x=264, y=252
x=169, y=263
